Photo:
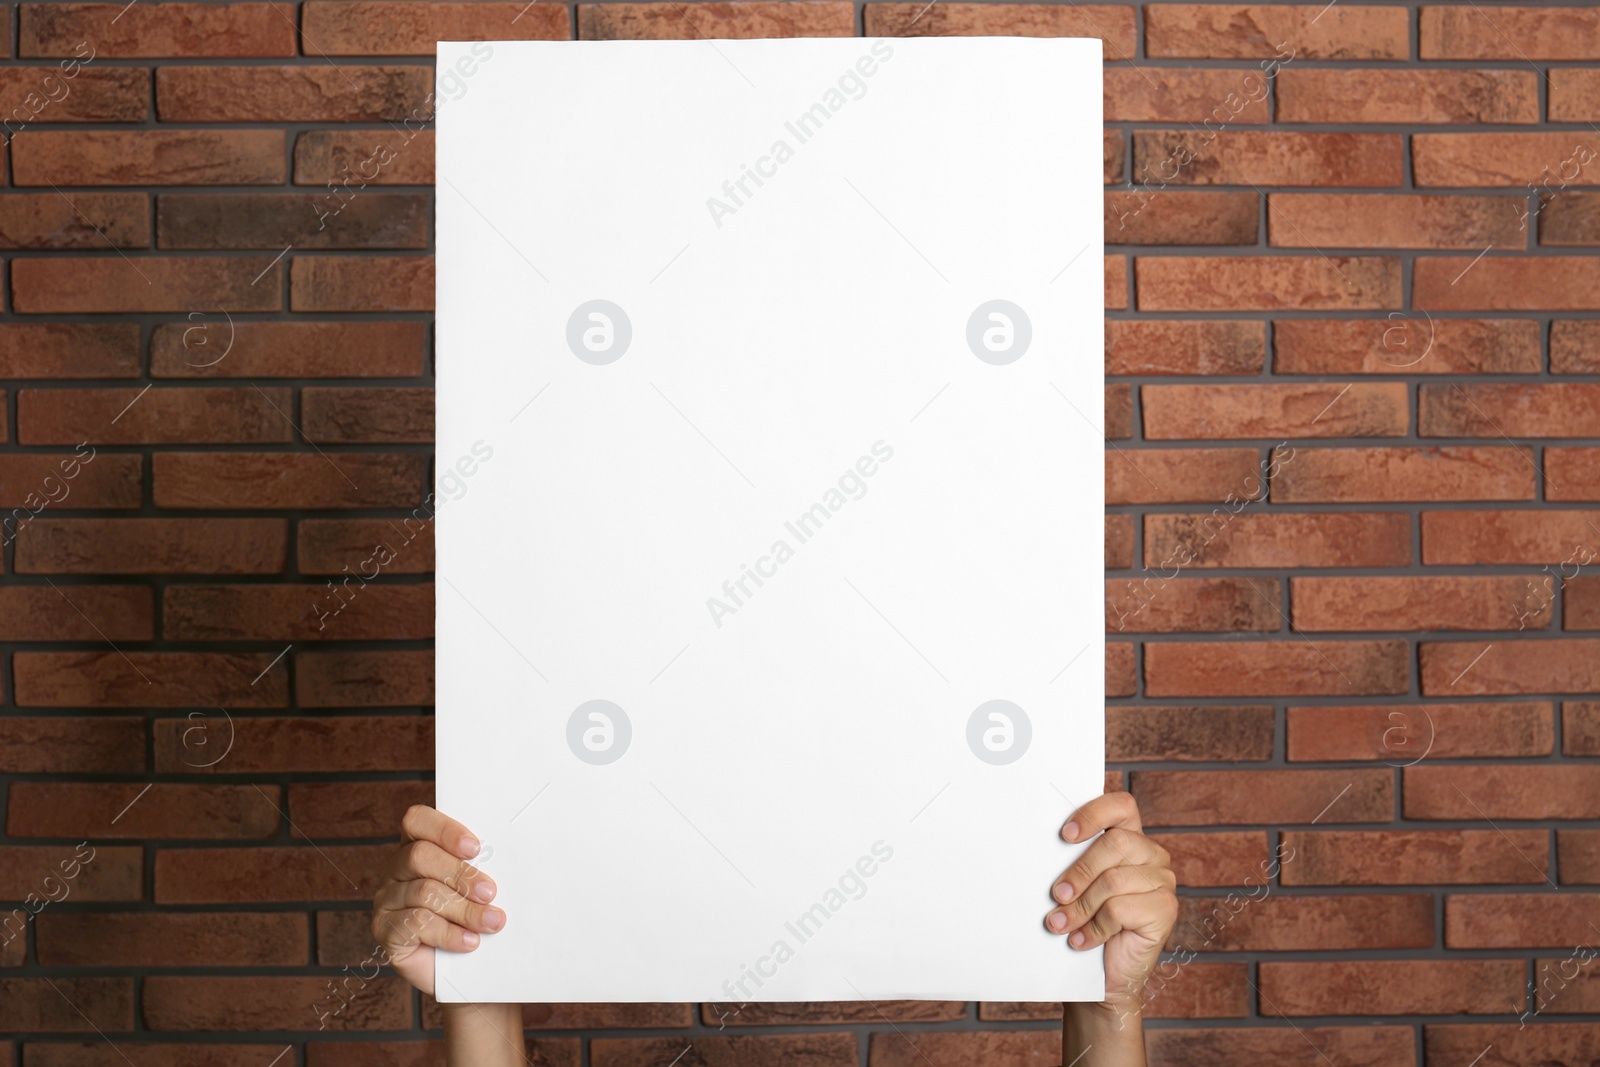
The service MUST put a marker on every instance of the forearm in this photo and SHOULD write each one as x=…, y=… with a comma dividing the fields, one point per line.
x=483, y=1035
x=1101, y=1035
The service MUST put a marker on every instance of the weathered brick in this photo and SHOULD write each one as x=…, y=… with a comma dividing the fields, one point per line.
x=1216, y=858
x=1321, y=409
x=1166, y=346
x=368, y=415
x=97, y=613
x=1502, y=791
x=152, y=283
x=152, y=546
x=1167, y=476
x=1577, y=857
x=1515, y=537
x=1325, y=475
x=364, y=28
x=1415, y=857
x=146, y=415
x=1392, y=987
x=98, y=873
x=1115, y=25
x=71, y=745
x=1512, y=160
x=312, y=93
x=1404, y=343
x=1153, y=604
x=128, y=810
x=1275, y=668
x=1507, y=283
x=751, y=18
x=172, y=1002
x=268, y=875
x=165, y=30
x=67, y=1005
x=362, y=283
x=1572, y=218
x=1180, y=217
x=1366, y=1046
x=211, y=347
x=89, y=479
x=1267, y=157
x=1121, y=669
x=1522, y=34
x=1259, y=283
x=345, y=744
x=1118, y=552
x=1572, y=473
x=351, y=610
x=1517, y=920
x=1420, y=603
x=1573, y=94
x=1580, y=728
x=30, y=95
x=1484, y=668
x=69, y=349
x=287, y=480
x=149, y=679
x=304, y=220
x=1232, y=798
x=363, y=679
x=85, y=220
x=1401, y=734
x=1141, y=734
x=329, y=546
x=800, y=1050
x=948, y=1049
x=354, y=158
x=1222, y=539
x=1294, y=924
x=140, y=939
x=1283, y=31
x=1408, y=96
x=323, y=810
x=1494, y=410
x=148, y=157
x=1170, y=94
x=1354, y=220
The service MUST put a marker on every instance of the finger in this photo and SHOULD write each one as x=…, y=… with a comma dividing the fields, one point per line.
x=422, y=823
x=1115, y=882
x=410, y=927
x=1102, y=813
x=424, y=859
x=441, y=900
x=1148, y=914
x=1116, y=847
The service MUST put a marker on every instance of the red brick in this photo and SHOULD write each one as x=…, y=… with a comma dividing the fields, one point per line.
x=69, y=349
x=1573, y=94
x=211, y=347
x=322, y=810
x=94, y=94
x=1401, y=734
x=1170, y=94
x=312, y=93
x=262, y=875
x=1572, y=473
x=361, y=28
x=1517, y=920
x=1420, y=603
x=1116, y=282
x=148, y=679
x=165, y=30
x=1267, y=157
x=1502, y=791
x=839, y=1012
x=993, y=1048
x=1218, y=858
x=1326, y=539
x=1180, y=217
x=1507, y=283
x=98, y=873
x=162, y=810
x=1244, y=923
x=748, y=19
x=86, y=220
x=1402, y=343
x=541, y=1052
x=1116, y=26
x=366, y=679
x=1121, y=671
x=1392, y=987
x=287, y=480
x=1522, y=34
x=130, y=415
x=362, y=283
x=1166, y=346
x=344, y=938
x=1275, y=668
x=273, y=745
x=1118, y=411
x=364, y=157
x=1573, y=218
x=1320, y=409
x=1260, y=283
x=1354, y=220
x=97, y=613
x=367, y=415
x=1577, y=856
x=1153, y=604
x=1485, y=410
x=1515, y=537
x=148, y=157
x=1580, y=602
x=1543, y=1043
x=304, y=220
x=140, y=939
x=58, y=745
x=1118, y=551
x=1151, y=734
x=1223, y=798
x=351, y=610
x=101, y=1053
x=91, y=480
x=1580, y=728
x=1180, y=475
x=1415, y=857
x=152, y=546
x=152, y=283
x=1115, y=151
x=328, y=546
x=637, y=1016
x=1377, y=474
x=66, y=1005
x=1482, y=668
x=1283, y=31
x=287, y=1003
x=1353, y=1046
x=1511, y=160
x=1408, y=96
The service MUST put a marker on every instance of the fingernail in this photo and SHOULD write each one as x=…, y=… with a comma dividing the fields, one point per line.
x=469, y=847
x=494, y=918
x=1070, y=831
x=470, y=938
x=1056, y=921
x=483, y=890
x=1064, y=892
x=1077, y=939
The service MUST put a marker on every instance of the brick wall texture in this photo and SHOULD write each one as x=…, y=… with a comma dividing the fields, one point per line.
x=1352, y=411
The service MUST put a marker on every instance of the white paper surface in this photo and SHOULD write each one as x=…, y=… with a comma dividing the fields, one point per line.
x=820, y=344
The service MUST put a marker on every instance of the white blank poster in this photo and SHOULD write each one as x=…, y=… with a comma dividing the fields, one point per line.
x=770, y=618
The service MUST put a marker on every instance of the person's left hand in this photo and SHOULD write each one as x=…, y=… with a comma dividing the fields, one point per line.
x=1120, y=893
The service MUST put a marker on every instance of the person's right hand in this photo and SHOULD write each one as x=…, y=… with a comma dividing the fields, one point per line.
x=431, y=897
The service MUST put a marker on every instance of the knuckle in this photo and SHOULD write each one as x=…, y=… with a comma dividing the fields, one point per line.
x=413, y=817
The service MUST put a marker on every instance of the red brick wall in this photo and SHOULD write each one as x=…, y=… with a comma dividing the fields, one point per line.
x=1354, y=450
